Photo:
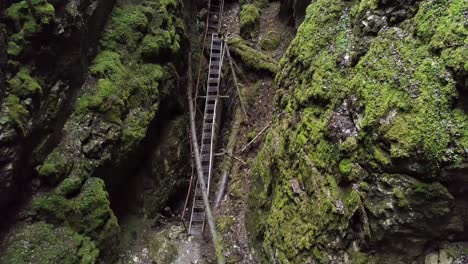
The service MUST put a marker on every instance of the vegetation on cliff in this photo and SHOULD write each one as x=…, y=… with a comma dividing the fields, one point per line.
x=111, y=116
x=369, y=135
x=29, y=17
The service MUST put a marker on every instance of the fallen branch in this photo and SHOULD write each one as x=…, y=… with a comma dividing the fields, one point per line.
x=222, y=188
x=231, y=145
x=251, y=141
x=240, y=160
x=235, y=80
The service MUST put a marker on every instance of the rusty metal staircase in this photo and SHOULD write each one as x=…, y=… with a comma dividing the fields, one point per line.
x=197, y=218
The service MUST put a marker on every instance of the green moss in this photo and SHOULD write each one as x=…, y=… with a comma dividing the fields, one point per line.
x=154, y=46
x=253, y=58
x=349, y=145
x=270, y=41
x=42, y=243
x=402, y=81
x=54, y=168
x=170, y=4
x=23, y=85
x=345, y=166
x=135, y=126
x=126, y=27
x=106, y=64
x=236, y=189
x=17, y=11
x=70, y=185
x=122, y=105
x=15, y=113
x=52, y=208
x=224, y=223
x=364, y=6
x=441, y=24
x=161, y=44
x=381, y=156
x=94, y=216
x=402, y=199
x=249, y=20
x=14, y=49
x=108, y=98
x=89, y=213
x=44, y=12
x=29, y=17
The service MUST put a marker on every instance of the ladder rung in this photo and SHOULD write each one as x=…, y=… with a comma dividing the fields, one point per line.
x=198, y=217
x=196, y=230
x=207, y=138
x=198, y=204
x=212, y=89
x=215, y=63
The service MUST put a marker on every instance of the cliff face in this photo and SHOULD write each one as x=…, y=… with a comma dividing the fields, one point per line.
x=44, y=49
x=368, y=158
x=86, y=133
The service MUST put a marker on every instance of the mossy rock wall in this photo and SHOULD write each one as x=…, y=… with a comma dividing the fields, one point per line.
x=45, y=48
x=367, y=158
x=129, y=83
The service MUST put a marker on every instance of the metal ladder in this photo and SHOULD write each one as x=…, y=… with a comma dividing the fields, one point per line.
x=215, y=12
x=197, y=219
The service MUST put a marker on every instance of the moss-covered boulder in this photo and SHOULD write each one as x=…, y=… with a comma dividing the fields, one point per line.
x=88, y=213
x=42, y=243
x=366, y=159
x=252, y=58
x=249, y=20
x=270, y=41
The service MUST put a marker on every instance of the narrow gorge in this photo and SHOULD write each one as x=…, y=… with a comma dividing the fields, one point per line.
x=341, y=137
